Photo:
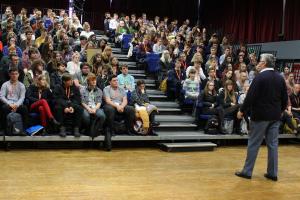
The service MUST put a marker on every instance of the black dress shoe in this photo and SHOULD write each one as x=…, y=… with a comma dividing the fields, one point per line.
x=242, y=175
x=273, y=178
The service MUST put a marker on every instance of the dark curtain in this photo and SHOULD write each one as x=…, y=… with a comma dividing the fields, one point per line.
x=30, y=4
x=292, y=20
x=248, y=21
x=174, y=9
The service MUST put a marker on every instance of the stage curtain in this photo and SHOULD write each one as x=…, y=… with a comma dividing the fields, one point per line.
x=292, y=20
x=248, y=21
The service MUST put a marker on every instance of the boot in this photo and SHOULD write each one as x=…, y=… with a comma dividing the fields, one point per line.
x=76, y=132
x=62, y=131
x=54, y=122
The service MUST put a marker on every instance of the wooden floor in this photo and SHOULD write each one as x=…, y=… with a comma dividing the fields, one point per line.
x=144, y=174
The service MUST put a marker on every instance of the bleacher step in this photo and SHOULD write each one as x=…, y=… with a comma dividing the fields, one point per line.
x=138, y=76
x=157, y=97
x=176, y=126
x=169, y=111
x=175, y=118
x=150, y=85
x=165, y=104
x=134, y=71
x=148, y=80
x=132, y=63
x=187, y=146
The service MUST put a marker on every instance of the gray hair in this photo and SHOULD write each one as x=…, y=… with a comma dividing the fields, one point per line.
x=269, y=59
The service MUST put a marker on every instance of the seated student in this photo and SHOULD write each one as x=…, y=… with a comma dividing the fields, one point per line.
x=165, y=64
x=209, y=100
x=125, y=80
x=73, y=66
x=140, y=100
x=55, y=78
x=120, y=31
x=144, y=48
x=241, y=100
x=13, y=61
x=36, y=70
x=200, y=76
x=243, y=80
x=191, y=86
x=12, y=41
x=102, y=78
x=91, y=100
x=158, y=47
x=116, y=103
x=211, y=77
x=175, y=78
x=68, y=104
x=12, y=97
x=114, y=68
x=228, y=101
x=80, y=78
x=39, y=96
x=295, y=101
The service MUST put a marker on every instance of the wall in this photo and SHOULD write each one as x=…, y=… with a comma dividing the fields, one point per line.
x=285, y=50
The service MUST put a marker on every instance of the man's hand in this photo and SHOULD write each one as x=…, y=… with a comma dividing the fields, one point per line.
x=13, y=107
x=289, y=113
x=66, y=110
x=93, y=111
x=120, y=109
x=71, y=109
x=239, y=115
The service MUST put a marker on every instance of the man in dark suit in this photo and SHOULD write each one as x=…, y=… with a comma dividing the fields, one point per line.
x=266, y=100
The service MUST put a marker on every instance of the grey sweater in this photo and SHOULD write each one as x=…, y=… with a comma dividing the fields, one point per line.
x=13, y=94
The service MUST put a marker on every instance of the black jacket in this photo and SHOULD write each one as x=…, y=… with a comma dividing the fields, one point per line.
x=55, y=79
x=32, y=94
x=295, y=100
x=208, y=99
x=267, y=97
x=225, y=103
x=61, y=98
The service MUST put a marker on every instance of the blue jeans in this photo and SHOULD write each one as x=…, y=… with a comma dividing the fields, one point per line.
x=99, y=116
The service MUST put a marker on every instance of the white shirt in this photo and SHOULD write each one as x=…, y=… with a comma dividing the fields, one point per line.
x=73, y=68
x=200, y=77
x=86, y=34
x=267, y=69
x=113, y=24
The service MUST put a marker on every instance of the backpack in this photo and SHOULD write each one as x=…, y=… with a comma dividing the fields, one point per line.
x=163, y=85
x=211, y=126
x=287, y=129
x=120, y=127
x=228, y=126
x=14, y=124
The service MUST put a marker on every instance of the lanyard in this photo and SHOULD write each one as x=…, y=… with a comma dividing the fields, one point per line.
x=68, y=91
x=178, y=74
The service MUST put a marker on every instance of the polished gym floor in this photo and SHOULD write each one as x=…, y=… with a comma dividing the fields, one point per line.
x=144, y=173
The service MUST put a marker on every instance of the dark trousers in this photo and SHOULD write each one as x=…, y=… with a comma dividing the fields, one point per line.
x=232, y=112
x=129, y=113
x=21, y=110
x=76, y=117
x=296, y=114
